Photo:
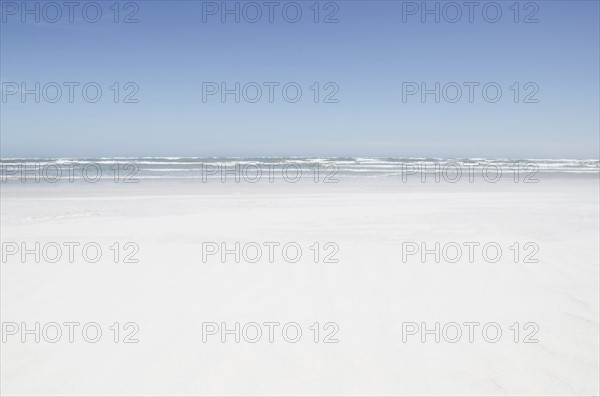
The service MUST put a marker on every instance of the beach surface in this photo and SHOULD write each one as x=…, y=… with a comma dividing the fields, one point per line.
x=361, y=283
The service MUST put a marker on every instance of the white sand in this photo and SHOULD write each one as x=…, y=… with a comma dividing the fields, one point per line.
x=369, y=293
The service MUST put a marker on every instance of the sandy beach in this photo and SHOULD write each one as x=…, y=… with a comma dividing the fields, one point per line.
x=361, y=283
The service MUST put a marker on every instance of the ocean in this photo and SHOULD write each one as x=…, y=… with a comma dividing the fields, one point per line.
x=290, y=169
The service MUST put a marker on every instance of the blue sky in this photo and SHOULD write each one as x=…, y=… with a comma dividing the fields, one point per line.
x=368, y=55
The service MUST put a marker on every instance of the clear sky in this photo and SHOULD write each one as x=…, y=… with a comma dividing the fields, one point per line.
x=367, y=55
